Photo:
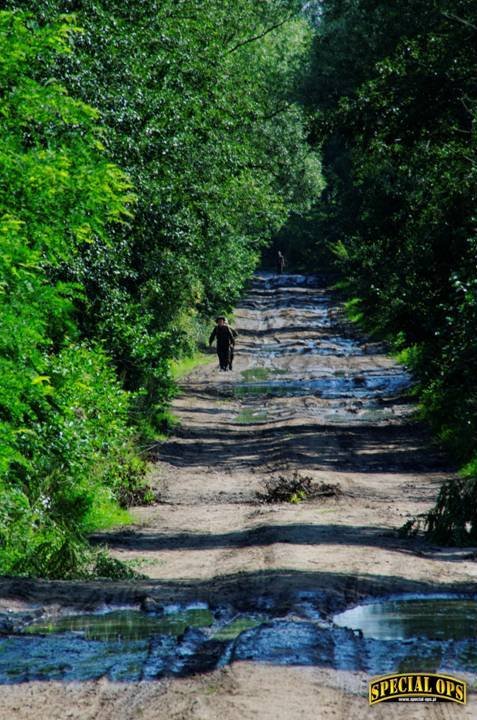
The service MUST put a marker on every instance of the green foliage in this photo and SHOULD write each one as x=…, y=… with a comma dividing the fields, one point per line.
x=198, y=100
x=453, y=520
x=76, y=473
x=470, y=469
x=62, y=412
x=104, y=566
x=106, y=274
x=393, y=98
x=182, y=367
x=353, y=310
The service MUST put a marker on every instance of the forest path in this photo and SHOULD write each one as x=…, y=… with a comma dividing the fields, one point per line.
x=307, y=401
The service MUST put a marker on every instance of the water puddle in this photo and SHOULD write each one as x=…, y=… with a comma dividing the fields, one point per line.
x=335, y=347
x=359, y=386
x=430, y=618
x=123, y=624
x=255, y=373
x=125, y=644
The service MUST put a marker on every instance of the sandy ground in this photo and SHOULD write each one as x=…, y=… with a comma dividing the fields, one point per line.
x=343, y=421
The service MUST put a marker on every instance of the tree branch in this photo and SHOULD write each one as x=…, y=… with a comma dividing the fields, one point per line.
x=451, y=16
x=259, y=36
x=282, y=108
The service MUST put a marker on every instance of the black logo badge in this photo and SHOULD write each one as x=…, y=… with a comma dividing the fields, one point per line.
x=417, y=687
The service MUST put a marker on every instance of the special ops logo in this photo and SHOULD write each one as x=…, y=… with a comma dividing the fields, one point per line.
x=417, y=687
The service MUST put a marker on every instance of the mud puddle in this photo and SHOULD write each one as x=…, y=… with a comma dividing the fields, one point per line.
x=330, y=387
x=326, y=346
x=129, y=645
x=434, y=618
x=123, y=624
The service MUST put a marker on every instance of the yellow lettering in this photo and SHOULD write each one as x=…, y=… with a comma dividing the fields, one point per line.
x=418, y=684
x=374, y=692
x=459, y=692
x=450, y=688
x=393, y=686
x=426, y=684
x=441, y=686
x=384, y=687
x=402, y=684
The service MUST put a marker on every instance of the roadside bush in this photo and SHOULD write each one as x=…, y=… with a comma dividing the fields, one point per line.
x=453, y=520
x=63, y=414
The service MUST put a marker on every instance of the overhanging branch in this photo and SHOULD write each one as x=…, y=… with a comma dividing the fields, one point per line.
x=451, y=16
x=259, y=36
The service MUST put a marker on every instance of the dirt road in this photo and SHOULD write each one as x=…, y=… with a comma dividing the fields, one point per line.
x=308, y=408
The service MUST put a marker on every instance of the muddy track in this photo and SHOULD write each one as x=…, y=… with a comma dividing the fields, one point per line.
x=307, y=400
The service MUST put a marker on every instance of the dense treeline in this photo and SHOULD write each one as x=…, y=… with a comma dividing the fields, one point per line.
x=149, y=151
x=393, y=90
x=198, y=109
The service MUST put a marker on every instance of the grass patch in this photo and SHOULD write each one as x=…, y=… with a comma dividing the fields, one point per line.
x=237, y=626
x=181, y=368
x=239, y=391
x=167, y=422
x=104, y=514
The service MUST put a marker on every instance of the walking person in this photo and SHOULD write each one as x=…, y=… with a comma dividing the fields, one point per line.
x=225, y=338
x=232, y=347
x=280, y=262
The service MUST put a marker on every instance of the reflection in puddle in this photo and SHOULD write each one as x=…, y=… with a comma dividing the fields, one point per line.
x=237, y=626
x=430, y=618
x=430, y=634
x=255, y=373
x=123, y=624
x=369, y=385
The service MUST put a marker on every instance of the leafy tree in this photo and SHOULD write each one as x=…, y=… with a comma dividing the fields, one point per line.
x=394, y=97
x=62, y=412
x=196, y=102
x=199, y=103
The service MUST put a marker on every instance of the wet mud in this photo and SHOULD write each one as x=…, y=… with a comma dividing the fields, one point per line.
x=130, y=645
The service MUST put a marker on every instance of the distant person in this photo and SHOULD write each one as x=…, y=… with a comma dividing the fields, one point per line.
x=225, y=337
x=232, y=347
x=280, y=262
